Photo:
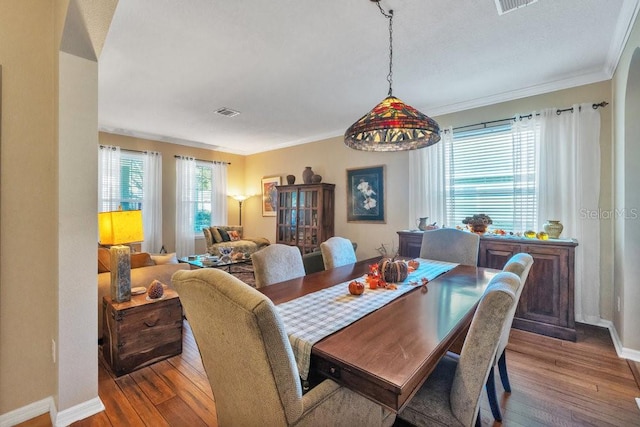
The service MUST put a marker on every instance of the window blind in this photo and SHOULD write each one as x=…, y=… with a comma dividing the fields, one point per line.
x=131, y=180
x=203, y=196
x=492, y=171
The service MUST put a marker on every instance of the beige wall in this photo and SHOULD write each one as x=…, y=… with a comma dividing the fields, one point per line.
x=626, y=131
x=77, y=228
x=235, y=179
x=330, y=158
x=28, y=201
x=46, y=298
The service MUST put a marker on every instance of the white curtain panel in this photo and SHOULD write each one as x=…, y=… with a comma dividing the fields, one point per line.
x=219, y=194
x=524, y=186
x=108, y=178
x=185, y=196
x=427, y=191
x=569, y=189
x=152, y=202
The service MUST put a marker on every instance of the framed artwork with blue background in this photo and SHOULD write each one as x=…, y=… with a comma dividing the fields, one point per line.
x=365, y=194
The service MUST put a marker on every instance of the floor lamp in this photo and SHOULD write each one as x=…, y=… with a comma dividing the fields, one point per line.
x=117, y=229
x=240, y=198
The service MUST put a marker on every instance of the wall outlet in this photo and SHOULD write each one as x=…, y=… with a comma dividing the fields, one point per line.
x=53, y=350
x=618, y=304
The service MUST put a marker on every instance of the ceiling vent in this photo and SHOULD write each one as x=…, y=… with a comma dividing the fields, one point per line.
x=227, y=112
x=505, y=6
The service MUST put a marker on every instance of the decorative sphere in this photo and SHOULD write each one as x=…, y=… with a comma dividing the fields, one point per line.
x=156, y=290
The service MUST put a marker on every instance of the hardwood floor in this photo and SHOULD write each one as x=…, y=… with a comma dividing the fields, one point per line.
x=554, y=383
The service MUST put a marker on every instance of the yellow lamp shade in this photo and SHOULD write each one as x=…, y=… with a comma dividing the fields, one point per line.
x=119, y=227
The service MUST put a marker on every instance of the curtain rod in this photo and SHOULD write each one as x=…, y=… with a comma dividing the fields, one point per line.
x=525, y=116
x=176, y=156
x=201, y=160
x=128, y=149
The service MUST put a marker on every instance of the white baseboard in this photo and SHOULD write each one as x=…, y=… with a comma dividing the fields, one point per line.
x=638, y=402
x=29, y=411
x=47, y=405
x=79, y=412
x=626, y=353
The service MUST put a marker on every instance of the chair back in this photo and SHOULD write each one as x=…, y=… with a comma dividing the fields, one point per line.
x=519, y=264
x=244, y=349
x=337, y=251
x=313, y=262
x=450, y=245
x=479, y=349
x=276, y=263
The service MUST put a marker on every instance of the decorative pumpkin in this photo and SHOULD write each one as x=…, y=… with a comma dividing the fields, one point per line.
x=356, y=288
x=393, y=271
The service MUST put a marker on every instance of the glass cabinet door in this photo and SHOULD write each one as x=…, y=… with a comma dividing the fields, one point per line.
x=305, y=215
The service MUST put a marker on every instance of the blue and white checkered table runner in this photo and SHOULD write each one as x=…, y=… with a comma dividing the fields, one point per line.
x=312, y=317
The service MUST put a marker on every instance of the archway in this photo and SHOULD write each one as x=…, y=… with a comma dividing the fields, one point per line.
x=630, y=206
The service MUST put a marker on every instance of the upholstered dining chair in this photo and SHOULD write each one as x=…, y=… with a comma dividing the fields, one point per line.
x=250, y=364
x=276, y=263
x=451, y=394
x=337, y=251
x=313, y=262
x=451, y=245
x=519, y=264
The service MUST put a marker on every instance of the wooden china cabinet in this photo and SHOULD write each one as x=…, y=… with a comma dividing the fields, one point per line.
x=546, y=305
x=305, y=215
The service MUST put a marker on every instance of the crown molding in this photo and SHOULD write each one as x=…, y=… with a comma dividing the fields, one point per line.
x=628, y=14
x=584, y=79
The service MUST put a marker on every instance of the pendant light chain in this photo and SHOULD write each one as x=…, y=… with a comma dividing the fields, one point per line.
x=389, y=16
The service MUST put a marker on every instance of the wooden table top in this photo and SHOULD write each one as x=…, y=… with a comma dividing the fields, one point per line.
x=388, y=354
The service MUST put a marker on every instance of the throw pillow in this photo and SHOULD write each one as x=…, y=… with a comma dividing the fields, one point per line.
x=234, y=235
x=225, y=235
x=161, y=259
x=207, y=237
x=141, y=259
x=216, y=234
x=104, y=260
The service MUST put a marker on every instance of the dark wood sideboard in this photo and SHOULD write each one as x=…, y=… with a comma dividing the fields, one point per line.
x=547, y=303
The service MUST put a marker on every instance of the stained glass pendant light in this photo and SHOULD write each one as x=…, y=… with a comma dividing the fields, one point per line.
x=392, y=125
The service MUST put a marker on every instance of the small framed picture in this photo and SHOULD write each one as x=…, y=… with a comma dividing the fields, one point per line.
x=365, y=194
x=270, y=196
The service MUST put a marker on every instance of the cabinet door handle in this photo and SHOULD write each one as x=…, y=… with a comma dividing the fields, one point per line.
x=151, y=324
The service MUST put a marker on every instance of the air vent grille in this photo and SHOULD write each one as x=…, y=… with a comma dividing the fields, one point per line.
x=505, y=6
x=227, y=112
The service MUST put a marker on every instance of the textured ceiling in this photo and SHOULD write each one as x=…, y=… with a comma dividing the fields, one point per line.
x=299, y=71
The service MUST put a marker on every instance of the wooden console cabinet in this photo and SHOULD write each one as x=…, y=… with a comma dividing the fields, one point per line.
x=305, y=216
x=409, y=243
x=546, y=305
x=140, y=332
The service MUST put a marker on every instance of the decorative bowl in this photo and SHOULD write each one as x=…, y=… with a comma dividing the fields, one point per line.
x=225, y=253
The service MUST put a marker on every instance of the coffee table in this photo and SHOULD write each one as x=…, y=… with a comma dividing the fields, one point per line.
x=197, y=262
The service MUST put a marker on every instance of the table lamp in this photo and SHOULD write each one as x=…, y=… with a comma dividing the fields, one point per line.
x=118, y=228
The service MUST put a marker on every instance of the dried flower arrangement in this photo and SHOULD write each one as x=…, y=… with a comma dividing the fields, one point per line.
x=478, y=219
x=478, y=223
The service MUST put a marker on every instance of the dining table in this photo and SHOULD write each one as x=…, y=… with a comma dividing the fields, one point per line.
x=387, y=354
